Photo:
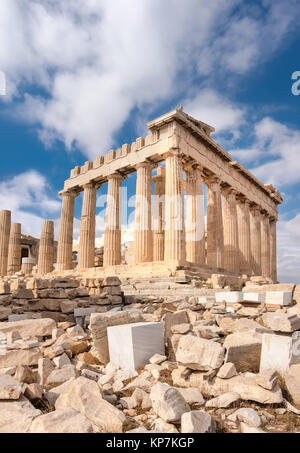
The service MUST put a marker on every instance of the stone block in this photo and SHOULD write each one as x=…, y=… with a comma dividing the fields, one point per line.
x=99, y=322
x=229, y=296
x=279, y=352
x=254, y=297
x=282, y=298
x=132, y=345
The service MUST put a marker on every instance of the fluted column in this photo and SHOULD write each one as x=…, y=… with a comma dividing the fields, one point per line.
x=273, y=249
x=143, y=220
x=14, y=249
x=195, y=225
x=158, y=214
x=112, y=235
x=255, y=234
x=265, y=245
x=5, y=222
x=243, y=216
x=230, y=226
x=86, y=256
x=215, y=238
x=46, y=248
x=175, y=249
x=65, y=238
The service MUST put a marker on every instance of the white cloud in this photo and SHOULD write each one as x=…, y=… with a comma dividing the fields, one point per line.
x=27, y=196
x=97, y=60
x=289, y=250
x=278, y=146
x=214, y=109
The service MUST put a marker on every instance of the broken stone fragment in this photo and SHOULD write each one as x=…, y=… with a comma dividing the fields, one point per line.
x=199, y=354
x=25, y=374
x=281, y=322
x=84, y=396
x=167, y=402
x=227, y=371
x=62, y=421
x=197, y=422
x=60, y=376
x=17, y=416
x=10, y=388
x=223, y=401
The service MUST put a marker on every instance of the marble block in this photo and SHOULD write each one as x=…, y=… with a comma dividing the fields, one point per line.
x=229, y=296
x=279, y=298
x=254, y=297
x=132, y=345
x=279, y=352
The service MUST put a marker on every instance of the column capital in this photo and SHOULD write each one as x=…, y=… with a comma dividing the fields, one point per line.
x=146, y=164
x=212, y=180
x=117, y=176
x=173, y=152
x=89, y=185
x=228, y=190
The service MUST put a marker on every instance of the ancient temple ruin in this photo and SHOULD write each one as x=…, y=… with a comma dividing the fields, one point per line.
x=170, y=233
x=241, y=211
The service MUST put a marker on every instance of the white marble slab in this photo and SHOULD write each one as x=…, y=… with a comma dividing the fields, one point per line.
x=279, y=352
x=132, y=345
x=229, y=296
x=254, y=297
x=283, y=298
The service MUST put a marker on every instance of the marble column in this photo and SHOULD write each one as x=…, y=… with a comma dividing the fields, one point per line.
x=14, y=249
x=5, y=223
x=195, y=224
x=65, y=238
x=143, y=251
x=46, y=248
x=175, y=248
x=112, y=235
x=86, y=258
x=243, y=216
x=255, y=239
x=230, y=228
x=158, y=214
x=215, y=237
x=265, y=245
x=273, y=249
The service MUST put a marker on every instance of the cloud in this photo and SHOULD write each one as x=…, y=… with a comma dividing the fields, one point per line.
x=79, y=69
x=278, y=147
x=27, y=196
x=216, y=110
x=289, y=250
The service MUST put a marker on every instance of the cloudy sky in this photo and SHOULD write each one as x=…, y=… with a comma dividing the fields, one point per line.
x=85, y=76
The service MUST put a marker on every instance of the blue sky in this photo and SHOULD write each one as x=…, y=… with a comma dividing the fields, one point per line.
x=86, y=76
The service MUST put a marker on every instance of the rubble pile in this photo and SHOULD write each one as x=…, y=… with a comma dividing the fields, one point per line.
x=58, y=298
x=213, y=373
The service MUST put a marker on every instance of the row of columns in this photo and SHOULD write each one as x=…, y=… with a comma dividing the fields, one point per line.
x=240, y=237
x=10, y=246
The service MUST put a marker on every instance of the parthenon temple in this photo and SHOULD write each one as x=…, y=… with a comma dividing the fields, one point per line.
x=238, y=237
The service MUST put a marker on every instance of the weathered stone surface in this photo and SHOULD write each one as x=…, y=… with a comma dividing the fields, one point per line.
x=17, y=416
x=161, y=426
x=33, y=391
x=292, y=383
x=223, y=401
x=167, y=402
x=192, y=395
x=157, y=359
x=227, y=371
x=267, y=379
x=243, y=350
x=281, y=322
x=62, y=421
x=244, y=384
x=59, y=376
x=172, y=319
x=30, y=327
x=20, y=357
x=25, y=374
x=197, y=422
x=98, y=327
x=84, y=396
x=199, y=354
x=10, y=388
x=249, y=416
